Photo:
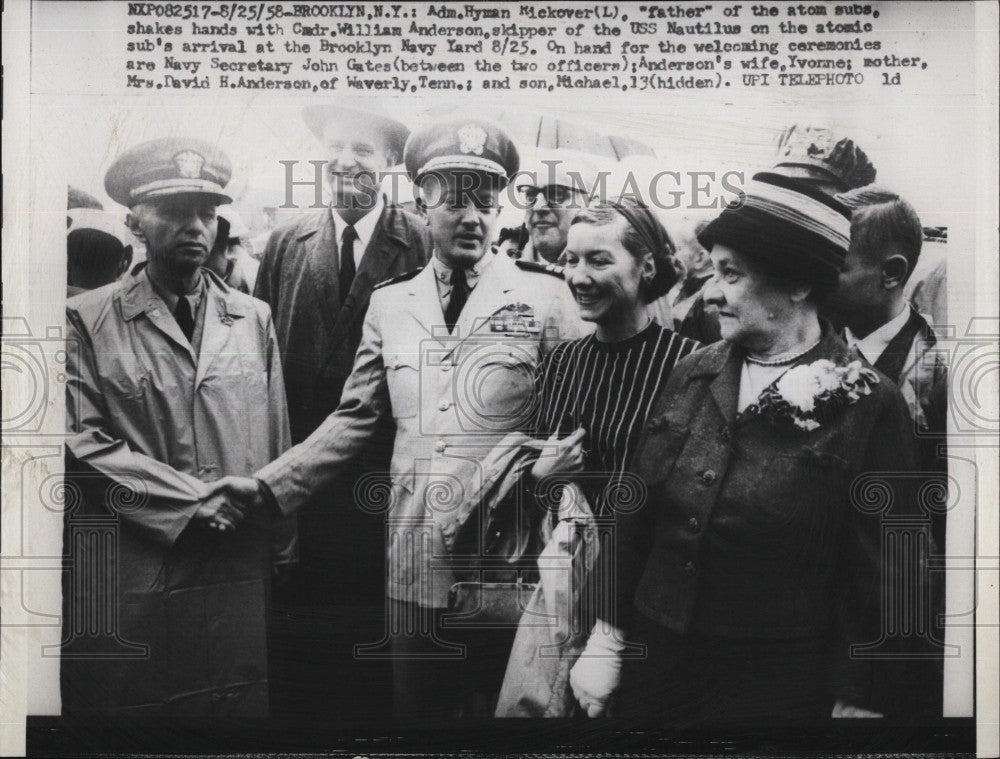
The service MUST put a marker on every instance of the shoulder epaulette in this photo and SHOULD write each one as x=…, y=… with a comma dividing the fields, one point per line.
x=554, y=269
x=399, y=278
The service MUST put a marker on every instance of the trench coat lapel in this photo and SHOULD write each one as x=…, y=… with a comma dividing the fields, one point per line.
x=140, y=298
x=220, y=313
x=321, y=262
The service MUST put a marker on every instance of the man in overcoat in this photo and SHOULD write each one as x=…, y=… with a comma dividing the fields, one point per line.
x=317, y=274
x=173, y=380
x=449, y=355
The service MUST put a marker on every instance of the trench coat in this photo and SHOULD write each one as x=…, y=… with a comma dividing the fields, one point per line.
x=451, y=397
x=756, y=531
x=181, y=609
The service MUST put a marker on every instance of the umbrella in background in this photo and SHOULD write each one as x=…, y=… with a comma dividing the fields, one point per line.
x=536, y=130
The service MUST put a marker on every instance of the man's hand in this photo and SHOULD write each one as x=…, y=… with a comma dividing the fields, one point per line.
x=229, y=501
x=560, y=456
x=219, y=513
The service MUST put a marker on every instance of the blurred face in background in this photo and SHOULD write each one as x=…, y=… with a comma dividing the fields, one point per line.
x=551, y=210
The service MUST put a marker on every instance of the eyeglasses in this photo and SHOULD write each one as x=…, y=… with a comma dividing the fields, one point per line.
x=552, y=195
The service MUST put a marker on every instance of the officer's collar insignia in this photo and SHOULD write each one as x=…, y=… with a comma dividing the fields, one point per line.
x=472, y=139
x=189, y=164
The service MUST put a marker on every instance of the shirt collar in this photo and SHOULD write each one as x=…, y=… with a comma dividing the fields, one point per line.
x=442, y=272
x=171, y=299
x=365, y=226
x=873, y=346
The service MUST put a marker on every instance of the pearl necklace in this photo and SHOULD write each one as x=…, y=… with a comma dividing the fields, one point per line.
x=781, y=360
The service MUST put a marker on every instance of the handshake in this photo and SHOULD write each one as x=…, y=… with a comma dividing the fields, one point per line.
x=229, y=501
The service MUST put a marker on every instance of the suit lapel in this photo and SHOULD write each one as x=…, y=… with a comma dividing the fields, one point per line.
x=897, y=354
x=376, y=263
x=321, y=263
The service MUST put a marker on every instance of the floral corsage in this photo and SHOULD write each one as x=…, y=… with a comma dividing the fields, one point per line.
x=811, y=394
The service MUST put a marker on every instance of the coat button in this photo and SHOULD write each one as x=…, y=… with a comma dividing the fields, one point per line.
x=446, y=366
x=724, y=433
x=657, y=423
x=440, y=446
x=444, y=405
x=690, y=569
x=708, y=476
x=693, y=524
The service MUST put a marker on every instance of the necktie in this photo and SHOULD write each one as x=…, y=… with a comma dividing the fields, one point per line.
x=459, y=294
x=347, y=269
x=184, y=317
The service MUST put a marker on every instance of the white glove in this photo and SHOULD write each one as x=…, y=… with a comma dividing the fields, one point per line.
x=597, y=673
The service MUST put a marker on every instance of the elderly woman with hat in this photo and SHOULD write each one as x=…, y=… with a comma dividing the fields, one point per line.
x=754, y=572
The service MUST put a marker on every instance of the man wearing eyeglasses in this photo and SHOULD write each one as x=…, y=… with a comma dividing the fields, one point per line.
x=552, y=194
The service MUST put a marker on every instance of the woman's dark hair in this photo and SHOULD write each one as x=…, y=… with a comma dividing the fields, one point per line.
x=644, y=234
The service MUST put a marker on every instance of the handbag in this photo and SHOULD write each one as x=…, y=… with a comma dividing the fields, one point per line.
x=555, y=625
x=496, y=548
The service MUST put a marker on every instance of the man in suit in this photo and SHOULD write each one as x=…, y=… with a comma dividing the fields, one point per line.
x=449, y=355
x=317, y=275
x=553, y=193
x=886, y=238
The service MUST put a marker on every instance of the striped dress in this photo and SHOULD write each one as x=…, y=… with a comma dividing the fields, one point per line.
x=606, y=388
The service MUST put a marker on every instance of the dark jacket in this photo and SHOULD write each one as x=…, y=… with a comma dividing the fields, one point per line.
x=750, y=531
x=920, y=372
x=317, y=334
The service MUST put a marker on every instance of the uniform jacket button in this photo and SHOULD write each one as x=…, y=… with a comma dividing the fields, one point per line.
x=440, y=446
x=693, y=524
x=709, y=476
x=444, y=405
x=689, y=568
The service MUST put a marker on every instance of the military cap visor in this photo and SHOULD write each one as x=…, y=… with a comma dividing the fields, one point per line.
x=166, y=167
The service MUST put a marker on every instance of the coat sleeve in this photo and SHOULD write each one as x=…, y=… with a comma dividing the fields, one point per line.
x=868, y=669
x=170, y=497
x=285, y=530
x=314, y=462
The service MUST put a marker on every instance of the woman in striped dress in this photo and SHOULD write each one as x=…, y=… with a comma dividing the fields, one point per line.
x=595, y=393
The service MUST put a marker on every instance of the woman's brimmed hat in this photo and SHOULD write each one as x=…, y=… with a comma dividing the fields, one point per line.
x=789, y=229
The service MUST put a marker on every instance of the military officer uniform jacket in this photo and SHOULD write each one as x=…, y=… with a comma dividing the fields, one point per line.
x=452, y=398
